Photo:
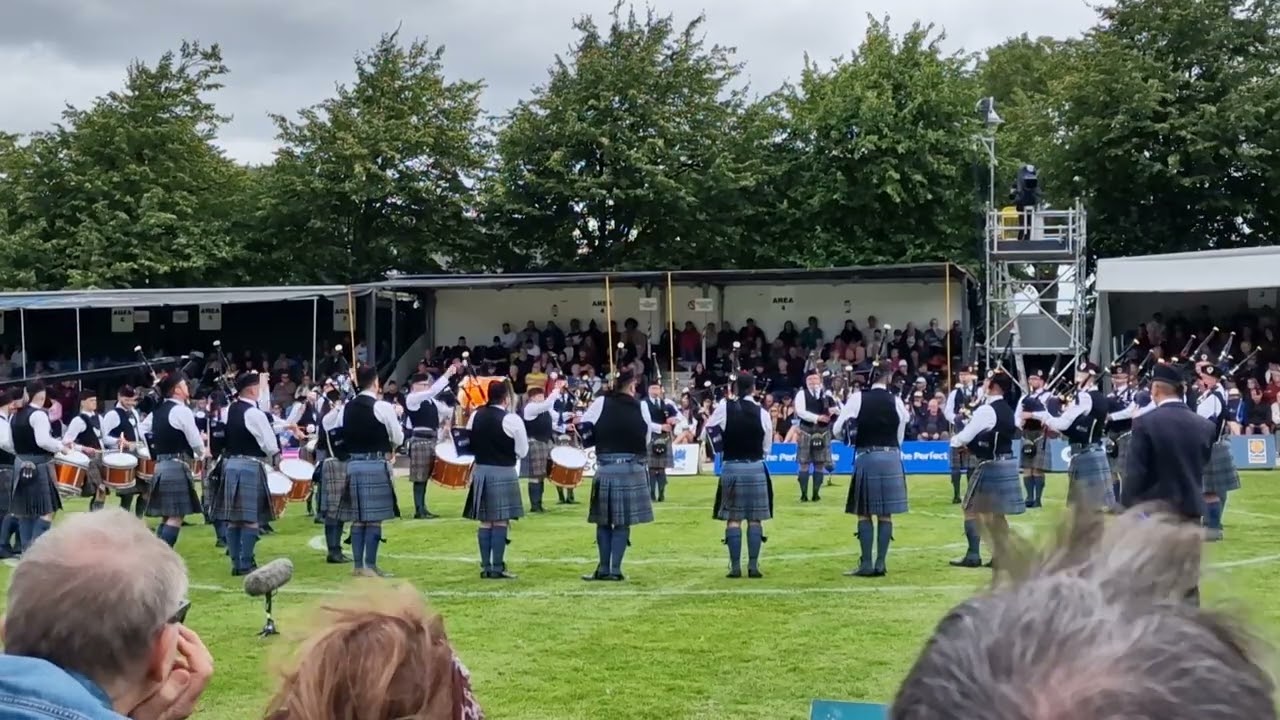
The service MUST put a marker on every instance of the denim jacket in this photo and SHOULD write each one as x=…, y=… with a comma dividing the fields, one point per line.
x=34, y=689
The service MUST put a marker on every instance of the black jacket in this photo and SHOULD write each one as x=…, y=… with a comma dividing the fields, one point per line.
x=1168, y=452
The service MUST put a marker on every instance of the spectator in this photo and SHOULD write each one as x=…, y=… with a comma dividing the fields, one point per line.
x=1256, y=413
x=88, y=636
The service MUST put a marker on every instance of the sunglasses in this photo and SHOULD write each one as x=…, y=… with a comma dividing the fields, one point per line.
x=180, y=616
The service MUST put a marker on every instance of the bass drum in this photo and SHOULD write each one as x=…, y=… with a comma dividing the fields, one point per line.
x=568, y=465
x=451, y=470
x=279, y=485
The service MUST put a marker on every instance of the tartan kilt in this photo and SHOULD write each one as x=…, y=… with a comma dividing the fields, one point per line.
x=805, y=452
x=1220, y=475
x=663, y=461
x=1089, y=475
x=422, y=458
x=1038, y=463
x=173, y=490
x=34, y=492
x=995, y=487
x=494, y=494
x=879, y=485
x=745, y=492
x=534, y=465
x=92, y=476
x=620, y=493
x=333, y=485
x=370, y=495
x=962, y=460
x=243, y=496
x=6, y=488
x=1122, y=452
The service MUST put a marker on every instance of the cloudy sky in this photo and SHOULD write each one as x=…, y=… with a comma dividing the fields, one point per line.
x=286, y=54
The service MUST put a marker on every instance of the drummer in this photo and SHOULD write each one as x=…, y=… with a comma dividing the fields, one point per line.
x=562, y=424
x=10, y=403
x=120, y=432
x=499, y=441
x=176, y=441
x=539, y=426
x=84, y=434
x=34, y=498
x=242, y=499
x=331, y=456
x=425, y=415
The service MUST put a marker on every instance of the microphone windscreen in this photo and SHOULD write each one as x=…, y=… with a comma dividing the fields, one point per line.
x=269, y=578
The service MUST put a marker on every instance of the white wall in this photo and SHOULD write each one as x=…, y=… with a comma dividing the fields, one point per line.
x=478, y=314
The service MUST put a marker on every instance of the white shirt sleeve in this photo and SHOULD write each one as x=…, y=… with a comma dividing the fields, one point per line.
x=73, y=430
x=333, y=418
x=258, y=425
x=766, y=423
x=984, y=418
x=386, y=412
x=181, y=418
x=1143, y=410
x=1209, y=407
x=6, y=436
x=109, y=422
x=44, y=433
x=513, y=426
x=904, y=419
x=802, y=410
x=592, y=415
x=719, y=415
x=534, y=409
x=414, y=400
x=295, y=413
x=852, y=406
x=1082, y=406
x=1124, y=414
x=949, y=409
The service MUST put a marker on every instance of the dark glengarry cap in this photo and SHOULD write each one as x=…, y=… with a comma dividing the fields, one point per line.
x=246, y=380
x=1166, y=374
x=1086, y=366
x=1212, y=371
x=87, y=394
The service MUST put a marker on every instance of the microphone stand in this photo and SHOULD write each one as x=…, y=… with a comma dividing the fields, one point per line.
x=270, y=628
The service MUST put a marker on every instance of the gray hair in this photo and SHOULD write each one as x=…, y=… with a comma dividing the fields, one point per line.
x=1095, y=626
x=91, y=594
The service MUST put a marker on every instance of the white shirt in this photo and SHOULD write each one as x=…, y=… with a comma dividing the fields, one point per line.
x=984, y=418
x=533, y=409
x=655, y=428
x=6, y=434
x=111, y=420
x=1083, y=405
x=77, y=426
x=853, y=406
x=720, y=416
x=804, y=412
x=180, y=418
x=44, y=432
x=513, y=427
x=259, y=426
x=1210, y=406
x=413, y=401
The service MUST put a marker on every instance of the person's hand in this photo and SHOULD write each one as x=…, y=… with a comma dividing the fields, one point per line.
x=176, y=697
x=89, y=451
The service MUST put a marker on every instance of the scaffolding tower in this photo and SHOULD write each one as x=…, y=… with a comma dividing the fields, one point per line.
x=1035, y=285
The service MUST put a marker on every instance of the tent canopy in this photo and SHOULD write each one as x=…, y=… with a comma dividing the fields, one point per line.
x=1203, y=271
x=151, y=297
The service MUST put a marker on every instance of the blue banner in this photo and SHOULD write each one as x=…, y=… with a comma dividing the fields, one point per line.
x=836, y=710
x=1254, y=452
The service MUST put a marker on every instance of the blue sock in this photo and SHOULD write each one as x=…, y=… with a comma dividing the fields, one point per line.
x=971, y=534
x=419, y=498
x=865, y=538
x=755, y=536
x=484, y=536
x=333, y=537
x=499, y=548
x=733, y=539
x=248, y=542
x=1039, y=489
x=168, y=533
x=235, y=535
x=620, y=536
x=357, y=545
x=1213, y=514
x=8, y=531
x=41, y=526
x=884, y=533
x=26, y=532
x=803, y=477
x=372, y=539
x=604, y=539
x=1029, y=486
x=955, y=483
x=1115, y=492
x=220, y=530
x=817, y=481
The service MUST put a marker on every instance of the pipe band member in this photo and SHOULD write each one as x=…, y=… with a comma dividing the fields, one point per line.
x=426, y=416
x=539, y=426
x=176, y=441
x=370, y=432
x=616, y=426
x=1083, y=422
x=120, y=432
x=958, y=401
x=10, y=540
x=34, y=499
x=1220, y=474
x=879, y=487
x=1119, y=425
x=243, y=499
x=813, y=446
x=1035, y=441
x=84, y=434
x=660, y=416
x=745, y=491
x=499, y=441
x=562, y=424
x=994, y=491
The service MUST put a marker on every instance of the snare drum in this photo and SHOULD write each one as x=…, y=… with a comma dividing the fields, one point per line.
x=118, y=470
x=70, y=469
x=278, y=485
x=450, y=470
x=146, y=466
x=299, y=473
x=567, y=467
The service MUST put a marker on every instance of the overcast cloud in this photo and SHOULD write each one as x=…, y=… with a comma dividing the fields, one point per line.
x=286, y=54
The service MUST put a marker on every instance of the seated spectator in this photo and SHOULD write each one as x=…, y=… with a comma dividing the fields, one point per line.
x=1256, y=413
x=811, y=337
x=87, y=636
x=382, y=657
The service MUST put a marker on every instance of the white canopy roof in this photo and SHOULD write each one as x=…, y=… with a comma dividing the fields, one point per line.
x=149, y=297
x=1201, y=271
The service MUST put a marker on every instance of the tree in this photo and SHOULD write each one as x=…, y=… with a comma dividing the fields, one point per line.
x=130, y=192
x=379, y=177
x=628, y=157
x=883, y=145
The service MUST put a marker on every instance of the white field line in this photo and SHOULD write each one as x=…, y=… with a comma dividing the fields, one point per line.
x=624, y=592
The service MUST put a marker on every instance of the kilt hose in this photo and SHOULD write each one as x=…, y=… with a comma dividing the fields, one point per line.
x=35, y=494
x=1038, y=463
x=173, y=491
x=745, y=492
x=494, y=495
x=534, y=466
x=243, y=496
x=995, y=488
x=879, y=486
x=807, y=454
x=1089, y=476
x=1220, y=475
x=422, y=458
x=6, y=490
x=663, y=460
x=370, y=495
x=333, y=485
x=620, y=492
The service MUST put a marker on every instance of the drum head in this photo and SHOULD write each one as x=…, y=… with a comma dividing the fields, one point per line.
x=74, y=457
x=568, y=457
x=142, y=452
x=278, y=483
x=297, y=469
x=120, y=461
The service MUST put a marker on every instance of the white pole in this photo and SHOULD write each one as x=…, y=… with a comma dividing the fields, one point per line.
x=315, y=321
x=22, y=339
x=79, y=360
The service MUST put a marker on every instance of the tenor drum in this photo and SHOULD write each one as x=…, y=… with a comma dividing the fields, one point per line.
x=450, y=470
x=118, y=470
x=70, y=468
x=278, y=485
x=146, y=466
x=567, y=467
x=299, y=473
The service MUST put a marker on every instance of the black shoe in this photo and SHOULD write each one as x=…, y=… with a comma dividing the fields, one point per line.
x=662, y=498
x=380, y=572
x=816, y=496
x=502, y=575
x=955, y=501
x=616, y=577
x=268, y=530
x=734, y=574
x=804, y=498
x=318, y=520
x=572, y=501
x=244, y=571
x=967, y=562
x=6, y=552
x=596, y=576
x=337, y=558
x=880, y=572
x=220, y=543
x=861, y=572
x=754, y=573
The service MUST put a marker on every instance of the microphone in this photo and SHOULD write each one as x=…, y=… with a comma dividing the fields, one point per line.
x=264, y=582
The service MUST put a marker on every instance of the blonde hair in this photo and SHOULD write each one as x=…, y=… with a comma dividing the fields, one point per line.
x=379, y=656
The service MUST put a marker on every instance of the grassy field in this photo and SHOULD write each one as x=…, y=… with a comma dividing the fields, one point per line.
x=678, y=639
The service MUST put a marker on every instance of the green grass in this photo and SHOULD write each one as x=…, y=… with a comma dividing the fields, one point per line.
x=678, y=639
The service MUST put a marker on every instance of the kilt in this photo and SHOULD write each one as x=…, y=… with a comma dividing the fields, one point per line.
x=333, y=485
x=879, y=485
x=745, y=492
x=1220, y=475
x=663, y=460
x=1089, y=474
x=534, y=465
x=422, y=457
x=242, y=495
x=494, y=494
x=92, y=476
x=210, y=484
x=370, y=495
x=807, y=454
x=34, y=493
x=6, y=488
x=620, y=492
x=173, y=490
x=961, y=459
x=1036, y=464
x=1122, y=452
x=995, y=487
